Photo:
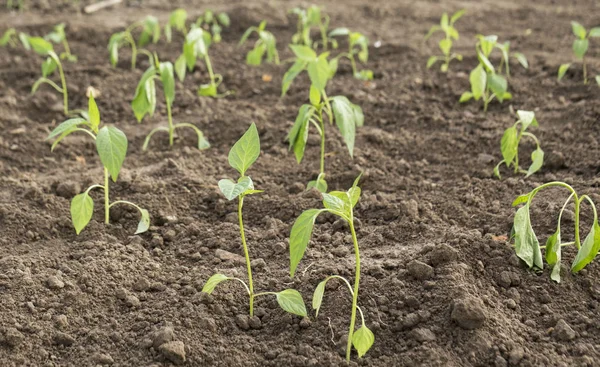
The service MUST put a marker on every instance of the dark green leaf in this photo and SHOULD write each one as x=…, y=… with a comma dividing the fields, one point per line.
x=589, y=249
x=509, y=145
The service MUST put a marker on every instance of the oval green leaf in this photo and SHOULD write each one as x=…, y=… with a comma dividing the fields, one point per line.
x=111, y=144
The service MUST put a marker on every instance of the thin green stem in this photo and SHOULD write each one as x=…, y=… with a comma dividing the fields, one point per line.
x=66, y=47
x=125, y=202
x=63, y=82
x=93, y=187
x=50, y=83
x=246, y=254
x=131, y=41
x=170, y=117
x=209, y=68
x=106, y=197
x=322, y=127
x=356, y=285
x=243, y=283
x=537, y=142
x=264, y=294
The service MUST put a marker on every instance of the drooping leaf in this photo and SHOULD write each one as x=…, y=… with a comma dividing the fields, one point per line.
x=245, y=151
x=432, y=60
x=111, y=144
x=40, y=45
x=48, y=67
x=319, y=184
x=509, y=145
x=168, y=80
x=562, y=70
x=232, y=190
x=213, y=281
x=82, y=208
x=317, y=299
x=527, y=118
x=521, y=199
x=113, y=47
x=180, y=67
x=64, y=126
x=339, y=32
x=478, y=80
x=537, y=160
x=362, y=340
x=300, y=236
x=144, y=100
x=298, y=135
x=589, y=248
x=527, y=245
x=553, y=254
x=290, y=300
x=498, y=85
x=465, y=97
x=521, y=59
x=144, y=223
x=337, y=201
x=345, y=119
x=456, y=16
x=255, y=56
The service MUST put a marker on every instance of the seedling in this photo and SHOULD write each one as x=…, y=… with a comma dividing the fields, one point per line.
x=450, y=33
x=580, y=47
x=11, y=38
x=59, y=36
x=346, y=115
x=144, y=101
x=44, y=48
x=241, y=157
x=197, y=43
x=340, y=204
x=266, y=44
x=527, y=245
x=213, y=23
x=19, y=4
x=150, y=31
x=358, y=44
x=511, y=139
x=177, y=21
x=486, y=83
x=307, y=19
x=111, y=144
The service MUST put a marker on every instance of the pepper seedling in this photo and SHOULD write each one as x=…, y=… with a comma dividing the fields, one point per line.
x=213, y=23
x=340, y=204
x=265, y=45
x=486, y=83
x=177, y=21
x=509, y=145
x=307, y=19
x=49, y=66
x=358, y=44
x=111, y=144
x=346, y=115
x=527, y=246
x=580, y=47
x=150, y=32
x=197, y=44
x=450, y=33
x=10, y=38
x=59, y=36
x=241, y=157
x=144, y=101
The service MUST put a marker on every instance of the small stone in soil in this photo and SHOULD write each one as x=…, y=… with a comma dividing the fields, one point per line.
x=103, y=359
x=443, y=254
x=468, y=313
x=563, y=331
x=422, y=335
x=63, y=339
x=61, y=321
x=419, y=270
x=173, y=351
x=258, y=263
x=54, y=283
x=242, y=322
x=254, y=322
x=163, y=336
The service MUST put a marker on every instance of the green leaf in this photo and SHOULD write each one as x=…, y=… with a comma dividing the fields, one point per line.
x=346, y=120
x=317, y=299
x=144, y=223
x=93, y=113
x=527, y=118
x=489, y=68
x=431, y=31
x=578, y=30
x=553, y=254
x=180, y=67
x=245, y=151
x=509, y=145
x=521, y=59
x=320, y=185
x=339, y=32
x=362, y=340
x=213, y=281
x=562, y=70
x=64, y=126
x=113, y=47
x=597, y=77
x=456, y=16
x=177, y=19
x=498, y=85
x=589, y=249
x=7, y=36
x=304, y=53
x=111, y=144
x=168, y=80
x=497, y=170
x=144, y=101
x=444, y=22
x=453, y=33
x=537, y=159
x=337, y=201
x=48, y=67
x=521, y=199
x=487, y=43
x=246, y=35
x=580, y=47
x=291, y=74
x=527, y=245
x=290, y=300
x=82, y=208
x=40, y=45
x=314, y=96
x=223, y=18
x=445, y=45
x=594, y=32
x=300, y=236
x=478, y=80
x=232, y=190
x=298, y=134
x=189, y=55
x=319, y=72
x=465, y=97
x=255, y=56
x=432, y=60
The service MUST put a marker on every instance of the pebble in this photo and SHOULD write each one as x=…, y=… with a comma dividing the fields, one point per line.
x=228, y=256
x=411, y=320
x=163, y=336
x=132, y=301
x=563, y=331
x=468, y=313
x=254, y=322
x=419, y=270
x=103, y=359
x=516, y=355
x=68, y=189
x=443, y=254
x=422, y=335
x=173, y=351
x=242, y=322
x=61, y=321
x=141, y=285
x=54, y=283
x=63, y=339
x=258, y=263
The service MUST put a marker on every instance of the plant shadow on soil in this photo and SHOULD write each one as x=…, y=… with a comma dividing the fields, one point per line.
x=441, y=285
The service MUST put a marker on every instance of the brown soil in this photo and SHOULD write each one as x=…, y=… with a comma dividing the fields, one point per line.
x=428, y=195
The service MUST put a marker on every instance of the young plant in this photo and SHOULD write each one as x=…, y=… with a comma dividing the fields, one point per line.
x=213, y=23
x=486, y=83
x=177, y=21
x=358, y=45
x=527, y=246
x=144, y=101
x=340, y=204
x=241, y=157
x=19, y=4
x=509, y=145
x=197, y=43
x=111, y=144
x=266, y=43
x=59, y=36
x=10, y=38
x=307, y=19
x=150, y=31
x=580, y=47
x=52, y=62
x=346, y=115
x=450, y=33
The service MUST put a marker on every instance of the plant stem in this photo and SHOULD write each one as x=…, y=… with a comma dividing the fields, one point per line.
x=322, y=169
x=577, y=235
x=66, y=46
x=209, y=68
x=585, y=80
x=133, y=50
x=170, y=117
x=246, y=254
x=63, y=82
x=356, y=284
x=106, y=198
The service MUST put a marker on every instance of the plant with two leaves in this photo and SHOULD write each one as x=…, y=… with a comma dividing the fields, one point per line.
x=509, y=145
x=197, y=44
x=486, y=83
x=10, y=37
x=266, y=44
x=144, y=101
x=580, y=47
x=241, y=157
x=338, y=109
x=340, y=204
x=58, y=36
x=150, y=32
x=307, y=19
x=213, y=23
x=358, y=44
x=49, y=66
x=450, y=33
x=177, y=21
x=111, y=144
x=527, y=246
